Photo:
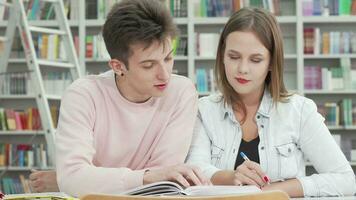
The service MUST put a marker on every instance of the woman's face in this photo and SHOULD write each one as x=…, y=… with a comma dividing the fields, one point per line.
x=246, y=62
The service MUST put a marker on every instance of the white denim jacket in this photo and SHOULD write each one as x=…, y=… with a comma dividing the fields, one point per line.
x=288, y=133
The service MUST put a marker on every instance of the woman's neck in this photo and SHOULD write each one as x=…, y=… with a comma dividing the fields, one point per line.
x=253, y=99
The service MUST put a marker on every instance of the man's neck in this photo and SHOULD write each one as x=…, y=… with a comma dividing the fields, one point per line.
x=127, y=92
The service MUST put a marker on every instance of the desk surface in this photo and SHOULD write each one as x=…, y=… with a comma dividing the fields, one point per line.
x=327, y=198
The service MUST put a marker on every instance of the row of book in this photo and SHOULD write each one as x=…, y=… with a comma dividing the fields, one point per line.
x=15, y=83
x=206, y=44
x=95, y=47
x=51, y=47
x=20, y=83
x=55, y=83
x=178, y=8
x=333, y=42
x=20, y=185
x=224, y=8
x=180, y=45
x=205, y=80
x=342, y=113
x=23, y=155
x=98, y=9
x=27, y=119
x=329, y=7
x=329, y=79
x=41, y=10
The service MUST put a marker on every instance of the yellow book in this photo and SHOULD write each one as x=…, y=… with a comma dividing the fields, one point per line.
x=44, y=46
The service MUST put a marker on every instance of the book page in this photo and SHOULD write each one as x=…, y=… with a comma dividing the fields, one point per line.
x=158, y=188
x=220, y=190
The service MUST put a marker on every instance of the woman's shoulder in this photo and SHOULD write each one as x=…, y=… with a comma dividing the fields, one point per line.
x=298, y=103
x=213, y=100
x=211, y=105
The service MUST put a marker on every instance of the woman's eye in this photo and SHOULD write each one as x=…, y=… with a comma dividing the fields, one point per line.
x=234, y=57
x=256, y=60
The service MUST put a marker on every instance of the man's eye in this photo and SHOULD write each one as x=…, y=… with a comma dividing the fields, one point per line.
x=148, y=66
x=168, y=59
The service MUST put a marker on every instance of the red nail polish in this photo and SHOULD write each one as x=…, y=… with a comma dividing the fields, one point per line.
x=265, y=178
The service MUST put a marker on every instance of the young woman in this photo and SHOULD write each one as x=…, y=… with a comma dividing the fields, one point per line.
x=255, y=114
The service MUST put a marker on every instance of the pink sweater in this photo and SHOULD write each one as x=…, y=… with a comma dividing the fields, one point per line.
x=104, y=143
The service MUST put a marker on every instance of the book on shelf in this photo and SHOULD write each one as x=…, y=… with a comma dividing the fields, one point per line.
x=27, y=119
x=329, y=7
x=205, y=80
x=178, y=8
x=95, y=47
x=180, y=46
x=224, y=8
x=97, y=9
x=333, y=42
x=331, y=79
x=16, y=83
x=341, y=113
x=23, y=155
x=167, y=188
x=207, y=44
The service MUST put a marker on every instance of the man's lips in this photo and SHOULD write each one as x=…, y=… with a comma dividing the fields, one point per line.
x=161, y=86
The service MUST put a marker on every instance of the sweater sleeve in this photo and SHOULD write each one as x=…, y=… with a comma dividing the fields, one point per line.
x=335, y=176
x=200, y=149
x=173, y=146
x=76, y=173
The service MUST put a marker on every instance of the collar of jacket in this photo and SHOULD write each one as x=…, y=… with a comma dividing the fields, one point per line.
x=263, y=110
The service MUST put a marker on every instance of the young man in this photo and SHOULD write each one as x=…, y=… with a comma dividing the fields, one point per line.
x=133, y=124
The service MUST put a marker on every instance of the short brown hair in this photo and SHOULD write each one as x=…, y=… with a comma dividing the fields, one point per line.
x=136, y=21
x=265, y=26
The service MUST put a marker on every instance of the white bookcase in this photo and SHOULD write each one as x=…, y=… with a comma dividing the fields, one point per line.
x=292, y=23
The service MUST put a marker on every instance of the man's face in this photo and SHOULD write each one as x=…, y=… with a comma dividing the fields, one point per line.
x=149, y=69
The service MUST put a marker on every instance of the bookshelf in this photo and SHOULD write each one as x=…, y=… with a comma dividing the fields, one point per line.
x=85, y=22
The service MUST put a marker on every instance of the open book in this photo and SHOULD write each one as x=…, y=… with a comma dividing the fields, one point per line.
x=42, y=196
x=171, y=188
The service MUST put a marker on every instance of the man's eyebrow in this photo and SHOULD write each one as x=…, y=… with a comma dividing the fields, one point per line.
x=152, y=60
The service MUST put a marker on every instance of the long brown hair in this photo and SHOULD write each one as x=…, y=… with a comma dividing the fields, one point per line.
x=267, y=30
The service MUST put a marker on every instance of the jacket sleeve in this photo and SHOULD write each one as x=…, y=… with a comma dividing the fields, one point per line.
x=76, y=173
x=200, y=149
x=335, y=176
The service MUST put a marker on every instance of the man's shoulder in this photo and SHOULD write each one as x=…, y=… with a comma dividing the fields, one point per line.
x=91, y=83
x=179, y=84
x=180, y=81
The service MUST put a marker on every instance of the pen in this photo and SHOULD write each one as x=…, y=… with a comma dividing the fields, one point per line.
x=243, y=155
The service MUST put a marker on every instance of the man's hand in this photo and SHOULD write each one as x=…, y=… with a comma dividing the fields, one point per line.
x=184, y=174
x=44, y=181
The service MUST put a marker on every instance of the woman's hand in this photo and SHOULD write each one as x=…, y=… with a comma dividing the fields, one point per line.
x=249, y=173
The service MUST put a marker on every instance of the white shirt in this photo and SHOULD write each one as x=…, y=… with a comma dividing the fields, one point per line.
x=289, y=133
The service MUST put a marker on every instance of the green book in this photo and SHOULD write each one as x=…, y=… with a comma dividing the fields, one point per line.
x=345, y=7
